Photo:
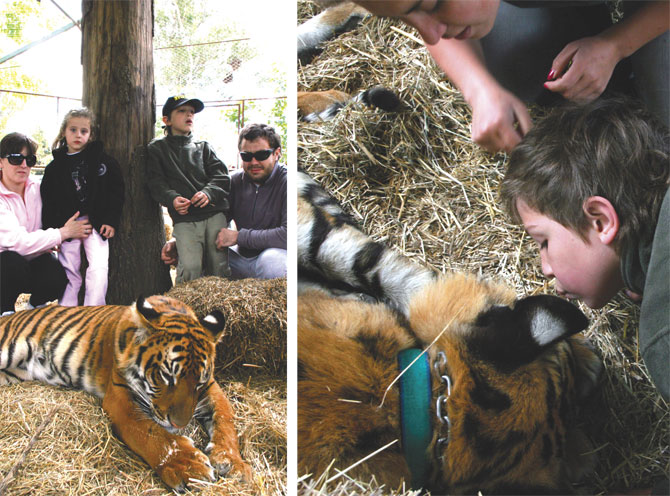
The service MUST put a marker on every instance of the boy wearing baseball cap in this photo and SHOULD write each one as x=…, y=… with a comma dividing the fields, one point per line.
x=186, y=176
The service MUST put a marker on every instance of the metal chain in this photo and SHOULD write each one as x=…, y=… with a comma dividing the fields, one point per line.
x=441, y=404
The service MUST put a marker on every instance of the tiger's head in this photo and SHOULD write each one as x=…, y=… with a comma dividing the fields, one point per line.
x=167, y=358
x=517, y=373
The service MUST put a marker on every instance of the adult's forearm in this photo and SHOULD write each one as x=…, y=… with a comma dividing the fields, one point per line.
x=645, y=24
x=462, y=61
x=260, y=239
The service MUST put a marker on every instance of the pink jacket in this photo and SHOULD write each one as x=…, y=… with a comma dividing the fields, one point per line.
x=21, y=223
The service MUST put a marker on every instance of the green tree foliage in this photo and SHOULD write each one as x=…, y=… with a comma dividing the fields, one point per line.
x=201, y=62
x=202, y=51
x=13, y=19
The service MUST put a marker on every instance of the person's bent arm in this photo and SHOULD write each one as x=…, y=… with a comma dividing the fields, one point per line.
x=169, y=254
x=594, y=58
x=499, y=119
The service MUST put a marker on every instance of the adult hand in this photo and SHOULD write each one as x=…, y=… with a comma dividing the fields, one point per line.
x=200, y=199
x=76, y=229
x=593, y=61
x=226, y=238
x=499, y=119
x=181, y=205
x=107, y=231
x=169, y=253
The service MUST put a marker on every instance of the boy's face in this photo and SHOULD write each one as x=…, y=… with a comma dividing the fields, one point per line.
x=584, y=269
x=181, y=120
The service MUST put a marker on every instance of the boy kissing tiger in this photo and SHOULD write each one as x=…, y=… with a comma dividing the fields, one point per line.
x=152, y=365
x=453, y=384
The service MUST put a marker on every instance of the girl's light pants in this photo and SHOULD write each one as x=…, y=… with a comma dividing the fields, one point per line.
x=97, y=254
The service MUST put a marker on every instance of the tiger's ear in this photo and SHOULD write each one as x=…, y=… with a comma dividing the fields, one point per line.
x=145, y=309
x=214, y=323
x=511, y=337
x=146, y=315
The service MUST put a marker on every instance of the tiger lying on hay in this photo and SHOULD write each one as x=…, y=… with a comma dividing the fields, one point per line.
x=152, y=365
x=487, y=407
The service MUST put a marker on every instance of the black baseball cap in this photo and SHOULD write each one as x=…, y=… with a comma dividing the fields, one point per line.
x=177, y=101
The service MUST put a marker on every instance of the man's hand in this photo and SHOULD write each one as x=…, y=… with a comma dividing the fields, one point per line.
x=226, y=238
x=200, y=199
x=181, y=205
x=169, y=253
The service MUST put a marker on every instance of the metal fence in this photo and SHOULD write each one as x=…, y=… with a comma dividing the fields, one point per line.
x=232, y=76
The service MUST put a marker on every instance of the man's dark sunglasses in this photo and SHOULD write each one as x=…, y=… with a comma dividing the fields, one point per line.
x=260, y=155
x=17, y=159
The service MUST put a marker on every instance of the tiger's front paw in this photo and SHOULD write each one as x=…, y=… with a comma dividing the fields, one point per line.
x=182, y=462
x=226, y=462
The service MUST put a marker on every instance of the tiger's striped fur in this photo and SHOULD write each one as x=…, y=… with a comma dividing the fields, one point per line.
x=518, y=370
x=335, y=255
x=151, y=364
x=321, y=106
x=328, y=24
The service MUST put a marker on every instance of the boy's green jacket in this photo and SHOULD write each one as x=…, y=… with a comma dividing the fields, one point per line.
x=181, y=166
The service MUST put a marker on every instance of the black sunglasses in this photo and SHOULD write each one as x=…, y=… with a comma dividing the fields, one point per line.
x=17, y=159
x=260, y=155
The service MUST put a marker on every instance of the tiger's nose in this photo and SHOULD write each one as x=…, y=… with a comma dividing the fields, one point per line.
x=178, y=423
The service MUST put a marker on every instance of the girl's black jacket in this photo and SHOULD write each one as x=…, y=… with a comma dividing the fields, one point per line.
x=105, y=189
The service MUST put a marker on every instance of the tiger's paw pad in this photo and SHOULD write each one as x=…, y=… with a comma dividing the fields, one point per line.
x=227, y=466
x=185, y=463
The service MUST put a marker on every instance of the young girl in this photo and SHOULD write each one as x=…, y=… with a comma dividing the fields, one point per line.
x=82, y=178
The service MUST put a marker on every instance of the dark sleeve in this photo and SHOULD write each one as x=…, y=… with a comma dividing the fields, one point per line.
x=159, y=188
x=260, y=239
x=655, y=312
x=230, y=215
x=52, y=200
x=115, y=193
x=218, y=186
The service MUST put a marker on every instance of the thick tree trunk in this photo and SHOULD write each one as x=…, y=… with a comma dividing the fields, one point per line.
x=117, y=55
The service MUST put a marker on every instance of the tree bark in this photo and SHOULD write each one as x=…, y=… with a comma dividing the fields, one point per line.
x=117, y=58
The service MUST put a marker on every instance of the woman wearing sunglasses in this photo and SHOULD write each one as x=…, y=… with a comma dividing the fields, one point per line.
x=27, y=262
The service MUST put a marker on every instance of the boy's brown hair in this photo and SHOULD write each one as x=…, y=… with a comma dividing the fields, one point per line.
x=611, y=148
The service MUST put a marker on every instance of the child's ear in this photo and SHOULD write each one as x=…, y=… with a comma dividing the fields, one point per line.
x=602, y=218
x=166, y=120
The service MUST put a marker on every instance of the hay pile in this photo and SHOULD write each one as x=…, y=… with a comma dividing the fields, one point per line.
x=255, y=310
x=415, y=180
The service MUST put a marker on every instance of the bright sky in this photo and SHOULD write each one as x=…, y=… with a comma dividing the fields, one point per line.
x=57, y=63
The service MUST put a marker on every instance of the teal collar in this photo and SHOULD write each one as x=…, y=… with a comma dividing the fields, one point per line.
x=415, y=398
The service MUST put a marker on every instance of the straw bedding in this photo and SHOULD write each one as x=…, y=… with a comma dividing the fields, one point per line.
x=414, y=180
x=76, y=452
